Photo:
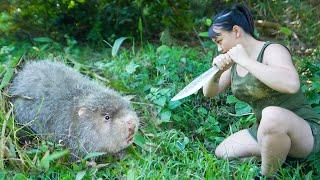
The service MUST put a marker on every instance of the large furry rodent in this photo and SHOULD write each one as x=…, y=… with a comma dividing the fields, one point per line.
x=59, y=103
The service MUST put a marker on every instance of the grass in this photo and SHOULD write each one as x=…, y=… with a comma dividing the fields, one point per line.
x=176, y=140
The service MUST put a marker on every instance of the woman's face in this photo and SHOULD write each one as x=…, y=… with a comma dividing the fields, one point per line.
x=225, y=40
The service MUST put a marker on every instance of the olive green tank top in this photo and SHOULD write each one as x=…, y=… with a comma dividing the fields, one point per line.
x=258, y=95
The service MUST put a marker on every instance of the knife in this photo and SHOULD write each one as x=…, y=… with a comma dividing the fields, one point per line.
x=196, y=84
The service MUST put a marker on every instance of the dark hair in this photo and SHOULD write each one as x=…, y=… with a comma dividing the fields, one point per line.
x=238, y=15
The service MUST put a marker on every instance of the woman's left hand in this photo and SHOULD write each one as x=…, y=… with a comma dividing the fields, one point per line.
x=239, y=55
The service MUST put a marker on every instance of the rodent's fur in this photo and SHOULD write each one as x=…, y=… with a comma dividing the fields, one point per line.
x=61, y=104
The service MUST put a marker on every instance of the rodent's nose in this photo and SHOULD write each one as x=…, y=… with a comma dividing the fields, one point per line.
x=131, y=124
x=132, y=129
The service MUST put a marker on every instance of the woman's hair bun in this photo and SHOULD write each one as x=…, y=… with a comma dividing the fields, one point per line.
x=241, y=8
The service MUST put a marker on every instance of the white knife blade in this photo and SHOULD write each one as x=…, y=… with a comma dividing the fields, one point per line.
x=196, y=84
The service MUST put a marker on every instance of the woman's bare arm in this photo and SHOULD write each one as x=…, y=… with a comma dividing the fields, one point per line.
x=277, y=71
x=217, y=84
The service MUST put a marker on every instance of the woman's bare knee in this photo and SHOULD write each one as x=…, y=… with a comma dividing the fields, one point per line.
x=271, y=122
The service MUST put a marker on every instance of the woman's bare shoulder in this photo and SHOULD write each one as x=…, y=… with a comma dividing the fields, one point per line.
x=277, y=54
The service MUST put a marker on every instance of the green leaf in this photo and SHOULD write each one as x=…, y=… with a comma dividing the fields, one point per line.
x=45, y=161
x=174, y=104
x=80, y=175
x=160, y=101
x=93, y=154
x=182, y=145
x=203, y=34
x=47, y=158
x=242, y=108
x=314, y=98
x=71, y=4
x=117, y=44
x=2, y=69
x=131, y=175
x=232, y=99
x=208, y=22
x=165, y=91
x=316, y=85
x=163, y=49
x=202, y=111
x=212, y=120
x=140, y=28
x=139, y=140
x=7, y=77
x=165, y=116
x=19, y=176
x=14, y=61
x=43, y=39
x=186, y=140
x=286, y=31
x=131, y=68
x=3, y=174
x=215, y=128
x=58, y=154
x=44, y=47
x=317, y=109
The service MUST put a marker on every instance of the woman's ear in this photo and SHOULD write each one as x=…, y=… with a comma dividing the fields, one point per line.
x=237, y=30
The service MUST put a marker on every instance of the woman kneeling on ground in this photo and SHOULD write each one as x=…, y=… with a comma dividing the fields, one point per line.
x=261, y=74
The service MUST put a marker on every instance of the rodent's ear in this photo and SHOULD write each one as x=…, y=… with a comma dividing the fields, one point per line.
x=82, y=111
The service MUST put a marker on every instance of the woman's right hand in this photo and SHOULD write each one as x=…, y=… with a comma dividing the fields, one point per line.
x=223, y=62
x=220, y=81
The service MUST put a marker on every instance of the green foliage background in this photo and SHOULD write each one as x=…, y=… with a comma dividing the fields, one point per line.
x=161, y=54
x=93, y=21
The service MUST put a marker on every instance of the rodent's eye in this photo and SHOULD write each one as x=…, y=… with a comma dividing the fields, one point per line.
x=106, y=117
